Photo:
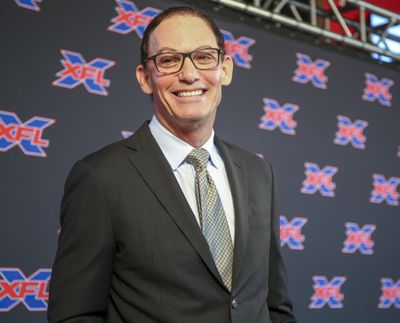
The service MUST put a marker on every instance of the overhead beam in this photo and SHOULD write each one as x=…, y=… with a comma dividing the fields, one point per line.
x=275, y=11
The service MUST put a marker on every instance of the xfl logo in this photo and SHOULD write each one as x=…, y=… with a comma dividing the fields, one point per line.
x=309, y=71
x=28, y=135
x=131, y=19
x=76, y=71
x=319, y=180
x=290, y=232
x=31, y=291
x=390, y=293
x=359, y=239
x=238, y=48
x=349, y=132
x=277, y=116
x=326, y=292
x=377, y=90
x=29, y=4
x=385, y=190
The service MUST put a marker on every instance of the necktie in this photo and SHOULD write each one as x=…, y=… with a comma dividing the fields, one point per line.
x=212, y=216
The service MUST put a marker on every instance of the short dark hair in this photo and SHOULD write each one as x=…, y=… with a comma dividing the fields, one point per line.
x=184, y=11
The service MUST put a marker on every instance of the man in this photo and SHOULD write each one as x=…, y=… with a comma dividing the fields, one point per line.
x=172, y=225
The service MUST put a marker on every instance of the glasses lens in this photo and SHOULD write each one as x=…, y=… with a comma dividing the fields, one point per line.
x=206, y=58
x=169, y=62
x=203, y=59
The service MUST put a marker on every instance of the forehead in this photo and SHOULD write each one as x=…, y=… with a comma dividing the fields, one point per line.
x=181, y=33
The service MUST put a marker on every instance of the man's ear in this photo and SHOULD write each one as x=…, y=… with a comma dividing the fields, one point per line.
x=143, y=79
x=227, y=70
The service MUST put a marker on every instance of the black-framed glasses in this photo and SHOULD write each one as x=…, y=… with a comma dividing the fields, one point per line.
x=172, y=62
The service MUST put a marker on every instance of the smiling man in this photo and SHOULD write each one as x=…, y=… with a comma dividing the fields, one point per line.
x=172, y=225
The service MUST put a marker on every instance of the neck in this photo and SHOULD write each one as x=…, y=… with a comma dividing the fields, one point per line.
x=194, y=138
x=194, y=134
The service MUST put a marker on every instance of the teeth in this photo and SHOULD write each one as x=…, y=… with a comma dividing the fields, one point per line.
x=190, y=93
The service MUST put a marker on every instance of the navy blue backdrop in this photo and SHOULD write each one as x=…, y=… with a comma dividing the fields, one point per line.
x=327, y=120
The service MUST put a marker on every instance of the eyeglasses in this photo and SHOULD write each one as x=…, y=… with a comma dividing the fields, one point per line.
x=202, y=59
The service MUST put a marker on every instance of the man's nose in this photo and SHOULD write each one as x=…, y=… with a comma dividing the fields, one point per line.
x=189, y=73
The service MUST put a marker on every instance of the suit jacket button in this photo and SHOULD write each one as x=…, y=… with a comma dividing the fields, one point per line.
x=234, y=303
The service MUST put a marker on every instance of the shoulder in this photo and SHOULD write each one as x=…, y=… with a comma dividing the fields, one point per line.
x=251, y=160
x=97, y=165
x=110, y=154
x=115, y=156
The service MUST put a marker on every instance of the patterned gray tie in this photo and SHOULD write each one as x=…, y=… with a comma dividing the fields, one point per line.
x=212, y=216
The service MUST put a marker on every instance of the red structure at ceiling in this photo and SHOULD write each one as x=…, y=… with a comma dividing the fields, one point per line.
x=391, y=5
x=352, y=13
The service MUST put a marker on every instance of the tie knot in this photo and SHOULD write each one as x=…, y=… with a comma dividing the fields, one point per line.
x=198, y=158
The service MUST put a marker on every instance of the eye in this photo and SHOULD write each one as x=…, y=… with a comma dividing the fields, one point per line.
x=205, y=57
x=166, y=60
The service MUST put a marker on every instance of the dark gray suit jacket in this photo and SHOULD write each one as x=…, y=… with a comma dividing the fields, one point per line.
x=130, y=249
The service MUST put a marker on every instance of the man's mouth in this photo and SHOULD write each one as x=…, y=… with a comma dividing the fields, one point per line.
x=189, y=93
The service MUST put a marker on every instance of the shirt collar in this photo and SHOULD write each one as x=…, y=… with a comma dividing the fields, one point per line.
x=174, y=149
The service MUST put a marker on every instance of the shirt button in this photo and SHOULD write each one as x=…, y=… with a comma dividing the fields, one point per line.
x=235, y=303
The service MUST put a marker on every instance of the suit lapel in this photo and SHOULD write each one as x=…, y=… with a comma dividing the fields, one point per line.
x=149, y=161
x=238, y=184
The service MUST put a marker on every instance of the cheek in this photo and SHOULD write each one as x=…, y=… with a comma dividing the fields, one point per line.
x=215, y=78
x=159, y=86
x=160, y=82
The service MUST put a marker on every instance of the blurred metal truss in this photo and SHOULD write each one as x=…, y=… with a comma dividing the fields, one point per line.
x=310, y=17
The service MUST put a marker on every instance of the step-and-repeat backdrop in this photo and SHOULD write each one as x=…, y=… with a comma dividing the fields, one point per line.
x=328, y=121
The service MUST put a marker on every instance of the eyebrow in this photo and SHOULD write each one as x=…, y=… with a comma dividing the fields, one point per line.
x=170, y=49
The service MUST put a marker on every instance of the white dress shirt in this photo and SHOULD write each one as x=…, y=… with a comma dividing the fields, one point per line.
x=175, y=151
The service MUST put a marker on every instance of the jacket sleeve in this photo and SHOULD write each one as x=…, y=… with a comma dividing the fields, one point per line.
x=82, y=270
x=278, y=300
